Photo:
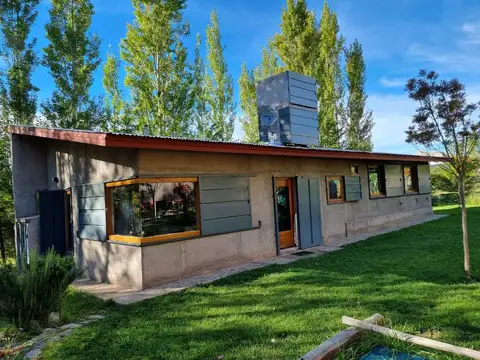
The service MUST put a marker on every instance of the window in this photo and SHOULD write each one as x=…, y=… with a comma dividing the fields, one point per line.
x=410, y=178
x=376, y=180
x=354, y=170
x=335, y=191
x=156, y=209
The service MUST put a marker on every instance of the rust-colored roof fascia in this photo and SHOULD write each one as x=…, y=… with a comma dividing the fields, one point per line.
x=126, y=141
x=92, y=138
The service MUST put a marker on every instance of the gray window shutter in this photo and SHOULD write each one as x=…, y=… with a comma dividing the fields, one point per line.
x=224, y=204
x=309, y=215
x=424, y=186
x=353, y=188
x=394, y=180
x=91, y=212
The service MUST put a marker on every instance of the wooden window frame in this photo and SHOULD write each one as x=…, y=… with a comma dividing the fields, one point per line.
x=328, y=178
x=354, y=170
x=415, y=181
x=139, y=240
x=384, y=182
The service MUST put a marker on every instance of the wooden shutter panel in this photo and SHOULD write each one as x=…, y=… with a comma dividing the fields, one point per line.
x=91, y=212
x=424, y=185
x=224, y=204
x=353, y=188
x=309, y=215
x=394, y=180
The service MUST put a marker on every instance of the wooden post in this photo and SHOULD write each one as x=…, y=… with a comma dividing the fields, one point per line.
x=417, y=340
x=328, y=349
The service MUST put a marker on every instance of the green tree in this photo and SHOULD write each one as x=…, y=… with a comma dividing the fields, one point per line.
x=218, y=87
x=269, y=66
x=331, y=90
x=158, y=73
x=296, y=42
x=17, y=98
x=443, y=123
x=118, y=114
x=360, y=120
x=72, y=57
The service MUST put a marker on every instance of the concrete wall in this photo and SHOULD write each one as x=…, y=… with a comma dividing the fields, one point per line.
x=29, y=172
x=113, y=263
x=338, y=220
x=76, y=164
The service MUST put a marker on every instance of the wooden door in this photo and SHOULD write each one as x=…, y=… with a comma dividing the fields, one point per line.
x=285, y=212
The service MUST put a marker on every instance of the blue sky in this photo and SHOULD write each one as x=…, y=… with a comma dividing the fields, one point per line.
x=398, y=36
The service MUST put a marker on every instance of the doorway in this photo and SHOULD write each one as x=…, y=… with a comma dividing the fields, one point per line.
x=285, y=212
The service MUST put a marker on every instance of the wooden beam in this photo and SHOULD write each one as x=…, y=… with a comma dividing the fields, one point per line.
x=328, y=349
x=413, y=339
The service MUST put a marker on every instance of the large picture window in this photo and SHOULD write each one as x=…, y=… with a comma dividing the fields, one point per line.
x=410, y=178
x=376, y=180
x=153, y=209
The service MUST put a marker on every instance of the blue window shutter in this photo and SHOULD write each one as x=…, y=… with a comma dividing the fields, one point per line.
x=308, y=212
x=394, y=180
x=424, y=185
x=91, y=212
x=224, y=204
x=353, y=188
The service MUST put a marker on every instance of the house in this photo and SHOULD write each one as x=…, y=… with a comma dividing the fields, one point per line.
x=142, y=210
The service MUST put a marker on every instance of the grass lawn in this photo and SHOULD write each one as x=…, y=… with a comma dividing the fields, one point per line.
x=414, y=277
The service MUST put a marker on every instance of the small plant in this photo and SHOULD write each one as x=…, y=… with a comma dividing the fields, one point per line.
x=29, y=295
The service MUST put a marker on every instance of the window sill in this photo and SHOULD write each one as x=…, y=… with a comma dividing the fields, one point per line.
x=112, y=238
x=136, y=240
x=333, y=202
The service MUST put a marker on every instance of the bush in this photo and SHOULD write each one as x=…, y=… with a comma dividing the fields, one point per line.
x=31, y=294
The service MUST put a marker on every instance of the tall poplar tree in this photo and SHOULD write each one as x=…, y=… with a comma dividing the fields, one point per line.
x=218, y=84
x=359, y=132
x=18, y=98
x=118, y=114
x=331, y=91
x=72, y=57
x=158, y=73
x=296, y=42
x=269, y=66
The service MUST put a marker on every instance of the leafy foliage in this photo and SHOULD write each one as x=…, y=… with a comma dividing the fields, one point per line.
x=32, y=293
x=17, y=93
x=217, y=122
x=158, y=73
x=72, y=57
x=359, y=129
x=443, y=124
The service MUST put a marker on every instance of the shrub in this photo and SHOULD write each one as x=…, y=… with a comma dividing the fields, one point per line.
x=32, y=293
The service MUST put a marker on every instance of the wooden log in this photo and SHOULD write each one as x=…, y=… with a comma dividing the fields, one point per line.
x=328, y=349
x=417, y=340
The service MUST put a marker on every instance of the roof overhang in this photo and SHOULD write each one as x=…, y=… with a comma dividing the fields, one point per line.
x=164, y=143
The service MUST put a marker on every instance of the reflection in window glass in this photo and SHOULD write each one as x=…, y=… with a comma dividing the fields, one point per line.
x=410, y=178
x=335, y=188
x=283, y=208
x=376, y=180
x=154, y=208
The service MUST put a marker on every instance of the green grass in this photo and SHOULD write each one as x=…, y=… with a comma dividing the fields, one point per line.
x=414, y=277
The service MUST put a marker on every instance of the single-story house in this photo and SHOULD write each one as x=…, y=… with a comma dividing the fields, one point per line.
x=142, y=210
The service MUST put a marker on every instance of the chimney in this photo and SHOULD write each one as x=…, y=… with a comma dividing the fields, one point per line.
x=287, y=109
x=145, y=130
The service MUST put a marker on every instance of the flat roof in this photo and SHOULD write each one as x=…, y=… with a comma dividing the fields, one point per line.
x=107, y=139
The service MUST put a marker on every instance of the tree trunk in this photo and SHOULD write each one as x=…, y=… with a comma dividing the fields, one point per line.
x=2, y=247
x=466, y=250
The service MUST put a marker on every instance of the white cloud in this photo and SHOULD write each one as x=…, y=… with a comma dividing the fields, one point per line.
x=472, y=34
x=392, y=82
x=392, y=115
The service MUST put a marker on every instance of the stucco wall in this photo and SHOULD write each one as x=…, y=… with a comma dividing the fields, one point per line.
x=29, y=172
x=76, y=164
x=113, y=263
x=338, y=220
